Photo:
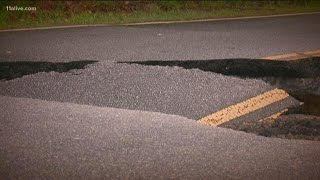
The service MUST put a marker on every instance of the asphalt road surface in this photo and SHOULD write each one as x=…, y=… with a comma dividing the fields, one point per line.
x=58, y=119
x=41, y=140
x=249, y=38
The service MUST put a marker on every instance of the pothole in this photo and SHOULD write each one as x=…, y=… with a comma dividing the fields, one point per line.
x=248, y=68
x=296, y=123
x=299, y=78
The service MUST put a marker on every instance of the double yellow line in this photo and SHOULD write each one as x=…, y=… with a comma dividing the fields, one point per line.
x=244, y=107
x=257, y=102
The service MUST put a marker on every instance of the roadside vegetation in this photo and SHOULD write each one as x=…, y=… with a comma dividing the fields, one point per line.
x=57, y=13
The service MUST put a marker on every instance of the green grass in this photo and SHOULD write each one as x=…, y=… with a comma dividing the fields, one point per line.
x=58, y=13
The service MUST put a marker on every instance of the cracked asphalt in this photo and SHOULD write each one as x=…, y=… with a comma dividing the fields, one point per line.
x=170, y=90
x=93, y=122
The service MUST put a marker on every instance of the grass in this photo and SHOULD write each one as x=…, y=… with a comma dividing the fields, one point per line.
x=58, y=13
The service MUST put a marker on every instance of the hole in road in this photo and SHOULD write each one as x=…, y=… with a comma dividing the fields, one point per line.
x=299, y=78
x=248, y=68
x=12, y=70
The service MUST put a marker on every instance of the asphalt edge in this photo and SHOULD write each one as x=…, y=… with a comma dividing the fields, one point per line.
x=157, y=22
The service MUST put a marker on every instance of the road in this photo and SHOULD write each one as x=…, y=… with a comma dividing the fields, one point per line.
x=61, y=140
x=249, y=38
x=60, y=120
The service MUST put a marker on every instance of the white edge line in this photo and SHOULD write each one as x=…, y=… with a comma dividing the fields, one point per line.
x=219, y=19
x=159, y=22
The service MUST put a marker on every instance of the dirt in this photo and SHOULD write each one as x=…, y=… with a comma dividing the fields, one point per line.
x=300, y=122
x=292, y=126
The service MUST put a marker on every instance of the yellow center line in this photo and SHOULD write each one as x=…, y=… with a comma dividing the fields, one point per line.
x=244, y=107
x=258, y=102
x=293, y=56
x=312, y=52
x=281, y=56
x=276, y=115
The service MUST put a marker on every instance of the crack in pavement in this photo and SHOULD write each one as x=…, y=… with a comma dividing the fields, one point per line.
x=188, y=88
x=190, y=93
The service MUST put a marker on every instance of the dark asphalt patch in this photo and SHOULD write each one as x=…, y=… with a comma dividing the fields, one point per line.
x=12, y=70
x=248, y=68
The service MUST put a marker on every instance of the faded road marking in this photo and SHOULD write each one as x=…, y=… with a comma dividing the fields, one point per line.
x=293, y=56
x=244, y=107
x=276, y=115
x=282, y=56
x=311, y=53
x=158, y=22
